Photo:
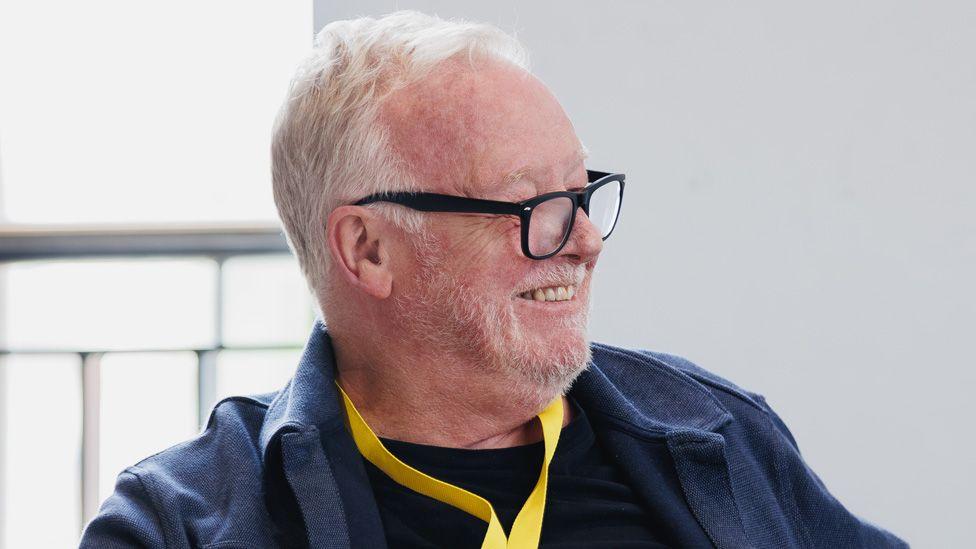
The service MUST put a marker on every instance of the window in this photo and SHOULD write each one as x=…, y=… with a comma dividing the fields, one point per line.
x=115, y=116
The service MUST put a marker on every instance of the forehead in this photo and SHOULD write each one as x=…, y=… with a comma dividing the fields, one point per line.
x=465, y=130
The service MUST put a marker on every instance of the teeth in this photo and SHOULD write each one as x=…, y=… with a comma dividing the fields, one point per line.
x=552, y=293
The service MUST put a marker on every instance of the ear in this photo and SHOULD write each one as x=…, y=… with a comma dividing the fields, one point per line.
x=359, y=242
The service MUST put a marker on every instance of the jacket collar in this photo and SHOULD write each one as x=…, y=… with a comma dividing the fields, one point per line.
x=310, y=398
x=628, y=386
x=641, y=391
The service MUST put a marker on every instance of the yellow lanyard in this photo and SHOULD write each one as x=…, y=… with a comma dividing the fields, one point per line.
x=528, y=523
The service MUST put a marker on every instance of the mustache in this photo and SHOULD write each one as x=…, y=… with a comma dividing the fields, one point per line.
x=557, y=275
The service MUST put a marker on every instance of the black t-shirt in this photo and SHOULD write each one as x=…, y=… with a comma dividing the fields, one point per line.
x=588, y=503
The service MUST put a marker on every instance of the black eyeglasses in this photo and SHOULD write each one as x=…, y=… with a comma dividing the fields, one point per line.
x=547, y=220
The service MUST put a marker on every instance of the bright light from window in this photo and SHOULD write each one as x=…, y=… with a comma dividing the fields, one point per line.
x=266, y=301
x=118, y=111
x=109, y=304
x=41, y=470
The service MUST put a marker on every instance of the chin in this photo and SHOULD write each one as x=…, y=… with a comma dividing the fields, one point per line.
x=550, y=367
x=545, y=354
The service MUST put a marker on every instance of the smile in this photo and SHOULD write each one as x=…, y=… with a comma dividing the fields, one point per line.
x=551, y=293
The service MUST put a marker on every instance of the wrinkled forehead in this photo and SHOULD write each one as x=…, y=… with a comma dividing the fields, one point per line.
x=468, y=130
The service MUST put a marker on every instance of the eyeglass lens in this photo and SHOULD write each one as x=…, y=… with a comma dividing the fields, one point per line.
x=550, y=223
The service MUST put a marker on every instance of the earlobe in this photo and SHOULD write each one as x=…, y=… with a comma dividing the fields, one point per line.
x=359, y=252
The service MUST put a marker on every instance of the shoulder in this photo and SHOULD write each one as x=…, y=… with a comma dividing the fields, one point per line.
x=677, y=365
x=711, y=380
x=673, y=387
x=231, y=435
x=191, y=488
x=221, y=466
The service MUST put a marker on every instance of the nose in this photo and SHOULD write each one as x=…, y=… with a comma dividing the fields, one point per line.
x=585, y=240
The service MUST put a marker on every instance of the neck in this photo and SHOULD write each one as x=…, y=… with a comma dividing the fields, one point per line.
x=440, y=400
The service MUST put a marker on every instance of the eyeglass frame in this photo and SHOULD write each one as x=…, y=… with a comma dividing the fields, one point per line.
x=445, y=203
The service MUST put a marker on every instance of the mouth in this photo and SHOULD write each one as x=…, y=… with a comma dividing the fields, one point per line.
x=550, y=293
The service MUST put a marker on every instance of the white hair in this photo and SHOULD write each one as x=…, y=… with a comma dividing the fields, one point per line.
x=329, y=147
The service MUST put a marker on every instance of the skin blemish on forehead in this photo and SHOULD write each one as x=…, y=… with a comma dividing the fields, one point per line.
x=571, y=164
x=514, y=177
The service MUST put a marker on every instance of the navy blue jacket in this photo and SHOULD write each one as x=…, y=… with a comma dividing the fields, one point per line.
x=280, y=469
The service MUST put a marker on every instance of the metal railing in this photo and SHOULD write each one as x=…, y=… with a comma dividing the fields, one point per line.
x=56, y=242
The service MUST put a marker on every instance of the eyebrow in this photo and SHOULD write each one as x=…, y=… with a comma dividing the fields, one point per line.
x=573, y=162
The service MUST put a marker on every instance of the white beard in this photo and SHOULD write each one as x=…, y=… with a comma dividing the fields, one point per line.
x=445, y=315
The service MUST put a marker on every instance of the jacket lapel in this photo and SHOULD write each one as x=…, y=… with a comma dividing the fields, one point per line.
x=699, y=457
x=315, y=489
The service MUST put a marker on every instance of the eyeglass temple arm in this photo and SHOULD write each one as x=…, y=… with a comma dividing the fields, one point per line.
x=432, y=202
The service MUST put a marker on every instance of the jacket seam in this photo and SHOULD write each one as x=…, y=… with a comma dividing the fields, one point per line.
x=148, y=487
x=621, y=425
x=244, y=400
x=740, y=395
x=235, y=398
x=233, y=544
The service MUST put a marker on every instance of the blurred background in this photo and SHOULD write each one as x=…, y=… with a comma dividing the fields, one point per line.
x=799, y=219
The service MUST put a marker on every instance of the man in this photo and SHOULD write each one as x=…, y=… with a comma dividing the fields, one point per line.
x=436, y=197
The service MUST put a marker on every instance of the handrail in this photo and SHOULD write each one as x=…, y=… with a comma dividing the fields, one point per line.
x=30, y=241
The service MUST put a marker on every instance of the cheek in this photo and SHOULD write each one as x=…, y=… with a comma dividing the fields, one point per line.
x=509, y=263
x=484, y=254
x=496, y=274
x=502, y=241
x=492, y=245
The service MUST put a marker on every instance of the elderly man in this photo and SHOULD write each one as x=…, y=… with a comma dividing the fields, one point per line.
x=436, y=197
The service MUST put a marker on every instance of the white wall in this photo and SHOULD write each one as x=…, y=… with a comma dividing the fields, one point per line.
x=3, y=393
x=799, y=216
